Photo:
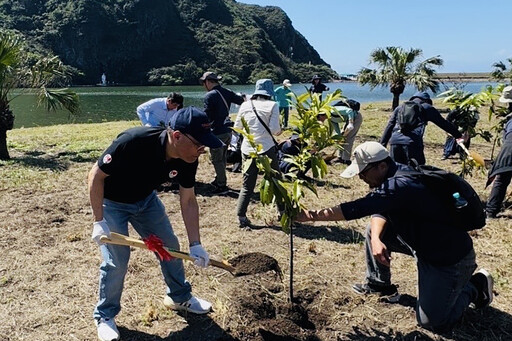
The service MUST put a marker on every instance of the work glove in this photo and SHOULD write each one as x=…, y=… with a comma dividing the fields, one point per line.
x=201, y=256
x=348, y=128
x=100, y=228
x=460, y=140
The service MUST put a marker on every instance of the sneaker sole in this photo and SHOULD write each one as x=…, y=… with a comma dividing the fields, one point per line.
x=490, y=284
x=171, y=305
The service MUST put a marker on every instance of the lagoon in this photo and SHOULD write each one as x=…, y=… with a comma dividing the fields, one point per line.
x=103, y=104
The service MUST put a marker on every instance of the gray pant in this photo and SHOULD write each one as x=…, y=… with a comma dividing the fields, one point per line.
x=346, y=152
x=444, y=292
x=218, y=156
x=250, y=177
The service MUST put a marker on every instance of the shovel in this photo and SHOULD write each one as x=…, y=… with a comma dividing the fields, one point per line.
x=472, y=155
x=119, y=239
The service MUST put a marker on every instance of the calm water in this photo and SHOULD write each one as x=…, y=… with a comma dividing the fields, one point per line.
x=101, y=104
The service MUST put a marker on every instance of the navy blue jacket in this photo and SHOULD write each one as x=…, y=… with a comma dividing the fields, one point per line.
x=413, y=212
x=393, y=135
x=216, y=109
x=503, y=162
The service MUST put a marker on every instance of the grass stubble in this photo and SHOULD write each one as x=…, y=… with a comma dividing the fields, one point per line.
x=49, y=265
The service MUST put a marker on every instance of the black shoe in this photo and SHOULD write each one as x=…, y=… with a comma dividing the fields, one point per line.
x=244, y=222
x=381, y=290
x=491, y=215
x=483, y=282
x=219, y=190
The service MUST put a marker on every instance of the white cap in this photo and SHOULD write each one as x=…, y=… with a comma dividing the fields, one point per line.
x=506, y=96
x=365, y=154
x=287, y=83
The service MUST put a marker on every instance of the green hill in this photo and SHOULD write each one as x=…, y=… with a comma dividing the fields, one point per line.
x=165, y=41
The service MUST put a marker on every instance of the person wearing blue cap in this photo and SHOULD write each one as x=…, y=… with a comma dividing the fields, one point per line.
x=261, y=114
x=407, y=144
x=122, y=189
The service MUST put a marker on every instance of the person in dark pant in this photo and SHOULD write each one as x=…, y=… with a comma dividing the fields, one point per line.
x=409, y=145
x=408, y=217
x=501, y=171
x=317, y=87
x=465, y=120
x=217, y=103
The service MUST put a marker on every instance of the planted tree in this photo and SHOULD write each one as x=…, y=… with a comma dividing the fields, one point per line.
x=287, y=190
x=17, y=71
x=396, y=67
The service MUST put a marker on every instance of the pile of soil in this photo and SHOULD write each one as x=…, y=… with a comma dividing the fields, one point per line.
x=258, y=298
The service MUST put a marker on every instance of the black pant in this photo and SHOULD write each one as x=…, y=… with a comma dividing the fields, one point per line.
x=498, y=192
x=402, y=153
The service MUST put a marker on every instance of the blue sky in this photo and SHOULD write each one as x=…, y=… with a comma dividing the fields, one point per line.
x=469, y=35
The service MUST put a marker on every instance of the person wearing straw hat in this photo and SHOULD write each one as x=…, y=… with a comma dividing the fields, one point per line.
x=501, y=171
x=283, y=99
x=407, y=217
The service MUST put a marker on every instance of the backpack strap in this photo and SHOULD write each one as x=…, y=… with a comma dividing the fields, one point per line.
x=264, y=125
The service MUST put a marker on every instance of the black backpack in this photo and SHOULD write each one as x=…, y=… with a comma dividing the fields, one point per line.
x=444, y=184
x=410, y=116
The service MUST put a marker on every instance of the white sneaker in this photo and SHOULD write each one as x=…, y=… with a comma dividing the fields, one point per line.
x=194, y=305
x=107, y=330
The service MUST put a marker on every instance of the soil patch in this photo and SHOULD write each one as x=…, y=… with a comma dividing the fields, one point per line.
x=254, y=263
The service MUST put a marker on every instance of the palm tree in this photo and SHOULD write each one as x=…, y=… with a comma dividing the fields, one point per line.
x=397, y=67
x=501, y=72
x=16, y=72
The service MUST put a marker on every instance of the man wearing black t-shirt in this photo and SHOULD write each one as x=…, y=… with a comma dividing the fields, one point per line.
x=122, y=187
x=407, y=217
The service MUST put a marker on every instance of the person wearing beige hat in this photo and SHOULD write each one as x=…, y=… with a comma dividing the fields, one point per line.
x=501, y=171
x=217, y=103
x=283, y=98
x=409, y=218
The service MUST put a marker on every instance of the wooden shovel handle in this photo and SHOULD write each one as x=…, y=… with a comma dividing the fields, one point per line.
x=119, y=239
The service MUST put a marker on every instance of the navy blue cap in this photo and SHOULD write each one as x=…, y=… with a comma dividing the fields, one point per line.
x=194, y=122
x=423, y=95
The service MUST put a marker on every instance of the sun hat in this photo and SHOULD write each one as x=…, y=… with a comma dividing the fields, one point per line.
x=364, y=154
x=194, y=122
x=210, y=75
x=316, y=77
x=506, y=95
x=423, y=95
x=264, y=87
x=287, y=83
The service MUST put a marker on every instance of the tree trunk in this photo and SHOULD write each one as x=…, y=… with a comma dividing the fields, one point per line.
x=396, y=101
x=4, y=153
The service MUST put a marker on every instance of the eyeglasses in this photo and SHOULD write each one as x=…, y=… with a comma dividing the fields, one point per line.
x=200, y=147
x=364, y=172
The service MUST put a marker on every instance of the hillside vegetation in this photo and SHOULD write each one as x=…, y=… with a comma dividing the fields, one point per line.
x=165, y=41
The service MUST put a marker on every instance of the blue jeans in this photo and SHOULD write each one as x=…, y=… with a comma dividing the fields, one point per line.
x=444, y=292
x=147, y=217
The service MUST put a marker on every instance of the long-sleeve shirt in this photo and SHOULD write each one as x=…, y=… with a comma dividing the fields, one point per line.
x=393, y=135
x=217, y=108
x=154, y=113
x=282, y=96
x=269, y=112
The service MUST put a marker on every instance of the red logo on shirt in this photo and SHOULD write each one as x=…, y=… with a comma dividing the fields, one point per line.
x=107, y=158
x=173, y=173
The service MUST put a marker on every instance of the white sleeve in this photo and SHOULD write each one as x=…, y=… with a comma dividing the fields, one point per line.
x=274, y=125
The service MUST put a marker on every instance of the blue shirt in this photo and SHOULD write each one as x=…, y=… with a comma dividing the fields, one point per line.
x=416, y=214
x=154, y=113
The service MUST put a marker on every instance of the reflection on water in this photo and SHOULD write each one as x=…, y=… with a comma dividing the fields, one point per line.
x=101, y=104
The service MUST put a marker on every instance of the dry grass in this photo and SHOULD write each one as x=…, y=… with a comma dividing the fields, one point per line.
x=48, y=267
